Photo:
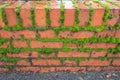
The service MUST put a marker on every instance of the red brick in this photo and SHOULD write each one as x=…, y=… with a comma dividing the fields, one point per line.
x=47, y=34
x=73, y=69
x=71, y=45
x=97, y=19
x=94, y=68
x=69, y=14
x=55, y=14
x=70, y=63
x=94, y=63
x=11, y=15
x=114, y=10
x=2, y=24
x=23, y=63
x=38, y=44
x=4, y=45
x=40, y=15
x=19, y=44
x=117, y=35
x=27, y=69
x=3, y=70
x=106, y=33
x=116, y=62
x=6, y=63
x=26, y=33
x=98, y=53
x=23, y=55
x=80, y=34
x=110, y=68
x=46, y=62
x=100, y=45
x=44, y=69
x=114, y=55
x=73, y=54
x=84, y=14
x=25, y=14
x=47, y=55
x=5, y=34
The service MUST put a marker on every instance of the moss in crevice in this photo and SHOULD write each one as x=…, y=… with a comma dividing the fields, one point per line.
x=47, y=7
x=62, y=6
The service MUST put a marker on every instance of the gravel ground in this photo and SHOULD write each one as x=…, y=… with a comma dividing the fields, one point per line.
x=103, y=75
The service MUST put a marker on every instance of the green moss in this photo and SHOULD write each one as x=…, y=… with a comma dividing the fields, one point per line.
x=2, y=40
x=62, y=12
x=47, y=7
x=114, y=3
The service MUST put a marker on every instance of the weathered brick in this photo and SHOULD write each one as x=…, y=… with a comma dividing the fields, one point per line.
x=94, y=68
x=47, y=55
x=4, y=45
x=117, y=35
x=80, y=34
x=11, y=15
x=47, y=34
x=38, y=44
x=73, y=69
x=71, y=45
x=97, y=19
x=6, y=63
x=84, y=14
x=5, y=34
x=55, y=14
x=114, y=55
x=114, y=10
x=23, y=55
x=106, y=33
x=70, y=63
x=40, y=14
x=3, y=70
x=2, y=24
x=116, y=62
x=98, y=53
x=69, y=14
x=27, y=69
x=100, y=45
x=73, y=54
x=94, y=63
x=26, y=33
x=23, y=63
x=46, y=62
x=44, y=69
x=111, y=68
x=19, y=44
x=25, y=14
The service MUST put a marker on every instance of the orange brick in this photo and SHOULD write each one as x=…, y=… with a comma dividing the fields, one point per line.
x=100, y=45
x=23, y=63
x=73, y=69
x=55, y=14
x=23, y=55
x=80, y=34
x=4, y=45
x=40, y=14
x=94, y=68
x=98, y=53
x=19, y=44
x=97, y=19
x=94, y=63
x=3, y=70
x=69, y=14
x=25, y=14
x=117, y=34
x=114, y=55
x=71, y=45
x=27, y=69
x=5, y=34
x=11, y=15
x=70, y=63
x=84, y=14
x=47, y=55
x=73, y=54
x=106, y=33
x=116, y=63
x=44, y=69
x=38, y=44
x=2, y=63
x=46, y=62
x=47, y=34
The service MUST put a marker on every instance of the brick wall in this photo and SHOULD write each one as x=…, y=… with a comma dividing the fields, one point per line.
x=59, y=36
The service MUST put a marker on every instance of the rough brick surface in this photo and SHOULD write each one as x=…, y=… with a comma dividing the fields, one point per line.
x=19, y=44
x=70, y=63
x=98, y=53
x=116, y=63
x=4, y=45
x=38, y=44
x=23, y=63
